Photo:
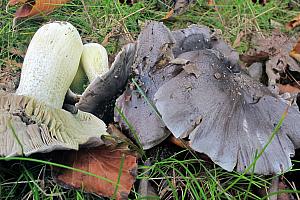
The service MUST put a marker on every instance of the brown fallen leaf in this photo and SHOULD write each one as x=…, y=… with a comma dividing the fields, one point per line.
x=102, y=161
x=288, y=88
x=278, y=45
x=179, y=142
x=295, y=53
x=293, y=23
x=210, y=2
x=12, y=63
x=180, y=7
x=34, y=7
x=283, y=196
x=10, y=75
x=169, y=14
x=256, y=57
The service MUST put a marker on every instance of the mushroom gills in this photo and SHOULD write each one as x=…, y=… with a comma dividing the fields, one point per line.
x=32, y=120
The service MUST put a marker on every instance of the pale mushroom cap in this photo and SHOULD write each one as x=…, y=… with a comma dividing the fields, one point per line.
x=28, y=126
x=94, y=60
x=54, y=51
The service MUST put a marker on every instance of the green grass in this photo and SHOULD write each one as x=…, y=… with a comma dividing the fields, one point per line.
x=182, y=175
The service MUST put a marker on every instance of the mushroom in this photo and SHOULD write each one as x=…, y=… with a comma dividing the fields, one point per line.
x=93, y=63
x=99, y=97
x=32, y=120
x=228, y=116
x=154, y=65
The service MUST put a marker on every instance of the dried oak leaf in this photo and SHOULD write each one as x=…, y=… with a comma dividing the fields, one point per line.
x=154, y=64
x=293, y=23
x=35, y=7
x=228, y=116
x=278, y=46
x=104, y=162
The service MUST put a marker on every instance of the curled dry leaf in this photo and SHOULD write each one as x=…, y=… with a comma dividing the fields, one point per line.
x=278, y=47
x=293, y=23
x=105, y=162
x=34, y=7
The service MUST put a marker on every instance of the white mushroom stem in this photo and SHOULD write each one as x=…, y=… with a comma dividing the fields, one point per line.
x=93, y=63
x=51, y=63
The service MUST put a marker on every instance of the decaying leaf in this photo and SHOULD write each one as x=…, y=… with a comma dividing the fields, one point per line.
x=154, y=65
x=228, y=116
x=180, y=7
x=293, y=23
x=256, y=57
x=9, y=75
x=278, y=47
x=35, y=7
x=288, y=88
x=104, y=162
x=295, y=52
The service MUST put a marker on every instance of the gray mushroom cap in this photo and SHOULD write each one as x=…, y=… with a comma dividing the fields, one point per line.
x=153, y=65
x=228, y=116
x=104, y=89
x=153, y=45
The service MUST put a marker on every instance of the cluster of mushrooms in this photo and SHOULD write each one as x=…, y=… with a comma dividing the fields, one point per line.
x=187, y=83
x=32, y=119
x=193, y=88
